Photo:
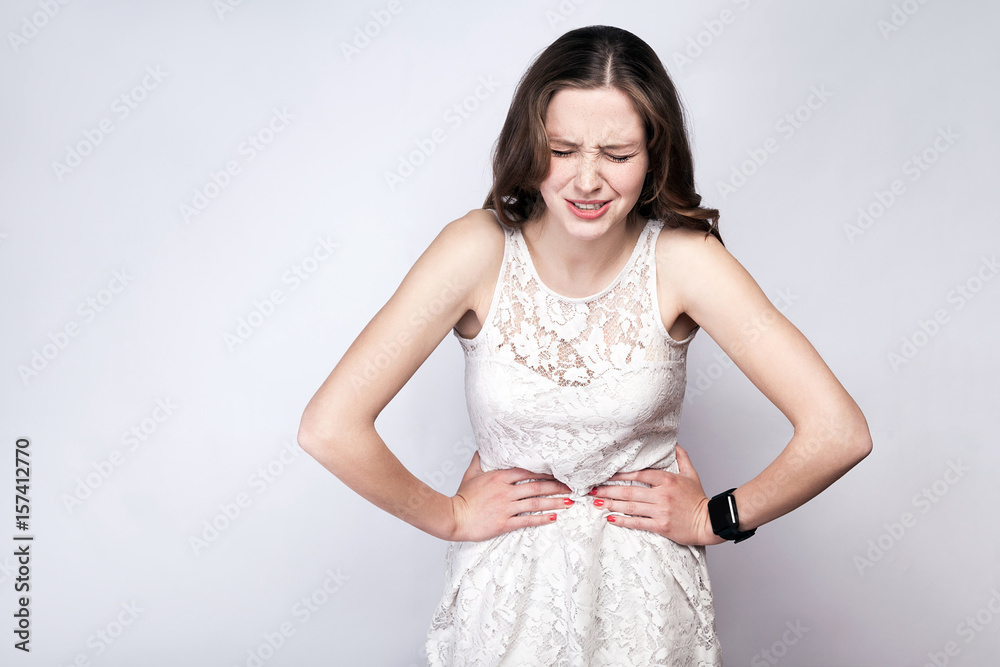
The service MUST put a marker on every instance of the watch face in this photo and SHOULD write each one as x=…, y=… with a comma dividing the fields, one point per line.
x=731, y=508
x=720, y=512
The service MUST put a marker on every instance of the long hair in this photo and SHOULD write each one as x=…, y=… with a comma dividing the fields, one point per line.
x=588, y=58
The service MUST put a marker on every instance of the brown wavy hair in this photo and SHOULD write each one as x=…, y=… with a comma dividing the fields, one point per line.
x=587, y=58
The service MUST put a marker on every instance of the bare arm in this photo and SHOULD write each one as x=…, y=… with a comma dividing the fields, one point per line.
x=338, y=425
x=830, y=433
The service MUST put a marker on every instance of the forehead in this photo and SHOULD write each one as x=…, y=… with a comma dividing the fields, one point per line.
x=593, y=115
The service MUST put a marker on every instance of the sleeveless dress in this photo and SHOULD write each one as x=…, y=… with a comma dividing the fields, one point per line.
x=579, y=388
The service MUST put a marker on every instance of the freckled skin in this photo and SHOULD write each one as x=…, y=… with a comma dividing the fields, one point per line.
x=598, y=154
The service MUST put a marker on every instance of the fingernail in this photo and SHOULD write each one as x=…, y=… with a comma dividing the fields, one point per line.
x=552, y=517
x=611, y=519
x=567, y=501
x=599, y=502
x=593, y=492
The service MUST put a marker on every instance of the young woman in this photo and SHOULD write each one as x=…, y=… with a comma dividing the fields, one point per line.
x=578, y=532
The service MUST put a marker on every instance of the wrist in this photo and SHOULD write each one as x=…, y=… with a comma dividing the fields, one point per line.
x=430, y=511
x=723, y=512
x=445, y=518
x=746, y=510
x=708, y=535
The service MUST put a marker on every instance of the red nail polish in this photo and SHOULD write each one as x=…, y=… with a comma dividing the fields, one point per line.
x=611, y=519
x=552, y=517
x=599, y=502
x=567, y=501
x=593, y=492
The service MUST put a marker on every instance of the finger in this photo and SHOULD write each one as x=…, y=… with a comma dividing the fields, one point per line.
x=643, y=494
x=651, y=476
x=539, y=505
x=529, y=489
x=640, y=523
x=684, y=465
x=526, y=520
x=629, y=507
x=474, y=469
x=626, y=475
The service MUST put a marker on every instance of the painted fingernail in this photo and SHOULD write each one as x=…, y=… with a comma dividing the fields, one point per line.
x=593, y=492
x=567, y=501
x=552, y=517
x=599, y=502
x=611, y=519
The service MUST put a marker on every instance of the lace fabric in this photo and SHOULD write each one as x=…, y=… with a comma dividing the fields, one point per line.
x=579, y=388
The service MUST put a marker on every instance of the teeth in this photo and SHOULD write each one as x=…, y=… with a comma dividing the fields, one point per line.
x=587, y=207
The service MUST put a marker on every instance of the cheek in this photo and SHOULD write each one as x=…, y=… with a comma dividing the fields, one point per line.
x=559, y=175
x=631, y=180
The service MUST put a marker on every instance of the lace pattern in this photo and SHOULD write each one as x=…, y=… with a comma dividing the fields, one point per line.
x=580, y=389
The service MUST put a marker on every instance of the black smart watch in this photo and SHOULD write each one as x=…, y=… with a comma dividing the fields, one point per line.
x=725, y=519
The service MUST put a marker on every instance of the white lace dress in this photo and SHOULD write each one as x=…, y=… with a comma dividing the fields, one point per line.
x=580, y=388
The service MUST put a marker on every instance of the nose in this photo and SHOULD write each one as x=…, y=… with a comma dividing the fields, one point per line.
x=588, y=173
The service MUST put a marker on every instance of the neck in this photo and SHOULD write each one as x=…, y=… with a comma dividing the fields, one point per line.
x=575, y=266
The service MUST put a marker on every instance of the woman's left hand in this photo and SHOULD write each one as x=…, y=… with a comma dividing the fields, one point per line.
x=674, y=505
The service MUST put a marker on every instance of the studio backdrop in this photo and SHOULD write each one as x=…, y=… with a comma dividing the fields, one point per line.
x=204, y=202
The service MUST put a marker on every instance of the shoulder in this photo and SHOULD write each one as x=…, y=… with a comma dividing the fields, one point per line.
x=476, y=240
x=476, y=231
x=680, y=250
x=471, y=248
x=694, y=269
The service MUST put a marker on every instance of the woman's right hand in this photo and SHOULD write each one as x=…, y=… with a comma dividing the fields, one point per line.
x=491, y=503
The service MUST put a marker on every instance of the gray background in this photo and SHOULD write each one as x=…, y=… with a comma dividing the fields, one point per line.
x=871, y=572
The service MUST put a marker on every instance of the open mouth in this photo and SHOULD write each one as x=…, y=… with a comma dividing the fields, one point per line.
x=589, y=207
x=588, y=210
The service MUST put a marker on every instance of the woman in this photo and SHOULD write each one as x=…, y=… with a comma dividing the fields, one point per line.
x=579, y=530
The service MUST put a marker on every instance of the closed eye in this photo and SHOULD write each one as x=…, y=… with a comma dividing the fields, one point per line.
x=614, y=158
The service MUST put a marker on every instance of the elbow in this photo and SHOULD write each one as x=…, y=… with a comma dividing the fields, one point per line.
x=331, y=439
x=315, y=441
x=323, y=449
x=858, y=440
x=862, y=446
x=308, y=442
x=843, y=438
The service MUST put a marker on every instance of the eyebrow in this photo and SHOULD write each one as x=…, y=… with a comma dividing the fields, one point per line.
x=571, y=144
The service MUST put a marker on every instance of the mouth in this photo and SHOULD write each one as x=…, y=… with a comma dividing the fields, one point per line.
x=588, y=209
x=588, y=205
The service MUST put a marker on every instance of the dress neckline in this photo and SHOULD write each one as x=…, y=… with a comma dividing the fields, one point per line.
x=617, y=279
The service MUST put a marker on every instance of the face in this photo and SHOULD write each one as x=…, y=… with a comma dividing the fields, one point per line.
x=599, y=160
